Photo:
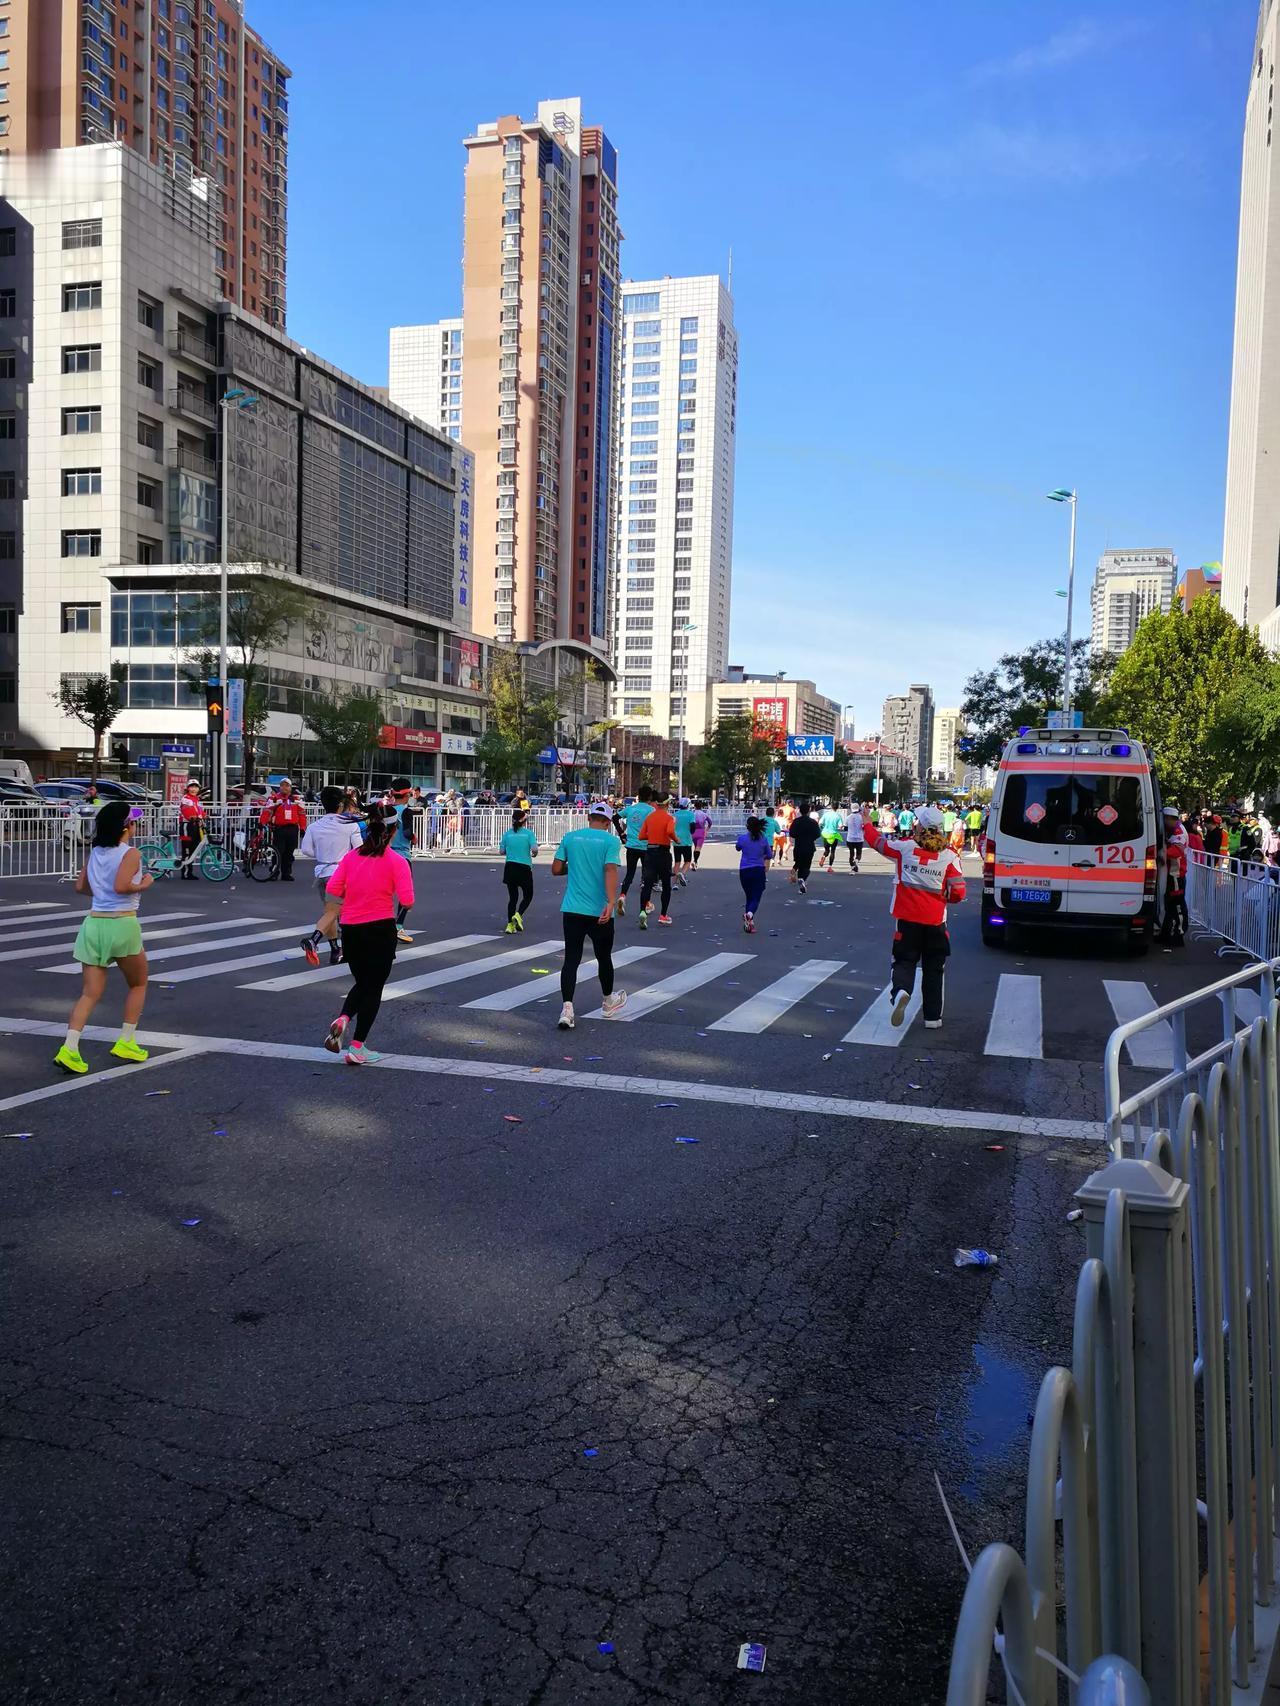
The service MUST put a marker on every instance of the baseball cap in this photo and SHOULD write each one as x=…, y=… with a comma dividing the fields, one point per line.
x=600, y=808
x=928, y=817
x=1171, y=810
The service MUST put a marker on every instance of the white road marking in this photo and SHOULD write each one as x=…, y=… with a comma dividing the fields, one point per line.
x=184, y=950
x=48, y=948
x=523, y=994
x=1248, y=1006
x=69, y=927
x=759, y=1011
x=43, y=906
x=681, y=1089
x=98, y=1033
x=1130, y=1000
x=646, y=1001
x=1017, y=1026
x=421, y=951
x=874, y=1026
x=474, y=968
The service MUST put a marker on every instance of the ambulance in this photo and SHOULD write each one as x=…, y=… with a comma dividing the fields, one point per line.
x=1075, y=839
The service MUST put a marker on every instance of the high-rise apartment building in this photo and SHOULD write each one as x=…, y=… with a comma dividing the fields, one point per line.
x=186, y=83
x=1251, y=529
x=539, y=407
x=678, y=402
x=1128, y=585
x=948, y=726
x=907, y=724
x=425, y=373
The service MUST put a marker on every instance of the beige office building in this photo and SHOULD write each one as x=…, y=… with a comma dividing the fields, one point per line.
x=539, y=406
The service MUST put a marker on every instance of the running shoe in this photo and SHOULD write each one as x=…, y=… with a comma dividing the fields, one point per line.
x=644, y=919
x=614, y=1003
x=749, y=924
x=126, y=1049
x=70, y=1061
x=518, y=921
x=309, y=949
x=566, y=1020
x=663, y=919
x=337, y=1030
x=901, y=999
x=933, y=1024
x=622, y=906
x=680, y=882
x=403, y=936
x=511, y=928
x=335, y=956
x=802, y=886
x=357, y=1055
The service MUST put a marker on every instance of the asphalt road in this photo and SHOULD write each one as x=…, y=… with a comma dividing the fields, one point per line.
x=467, y=1365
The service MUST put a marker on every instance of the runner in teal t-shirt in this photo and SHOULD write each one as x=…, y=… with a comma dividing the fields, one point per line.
x=683, y=849
x=591, y=859
x=632, y=817
x=830, y=824
x=519, y=846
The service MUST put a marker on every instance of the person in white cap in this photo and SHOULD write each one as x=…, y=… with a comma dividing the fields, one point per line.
x=928, y=877
x=591, y=858
x=684, y=816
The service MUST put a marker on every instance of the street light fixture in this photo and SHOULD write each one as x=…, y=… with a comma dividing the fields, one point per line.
x=1062, y=496
x=243, y=401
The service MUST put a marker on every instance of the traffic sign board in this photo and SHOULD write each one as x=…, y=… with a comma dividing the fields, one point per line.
x=811, y=749
x=148, y=761
x=178, y=749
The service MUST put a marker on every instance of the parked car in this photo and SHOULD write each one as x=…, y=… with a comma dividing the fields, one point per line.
x=111, y=789
x=18, y=794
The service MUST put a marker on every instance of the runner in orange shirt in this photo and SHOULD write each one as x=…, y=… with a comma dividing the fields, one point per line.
x=658, y=832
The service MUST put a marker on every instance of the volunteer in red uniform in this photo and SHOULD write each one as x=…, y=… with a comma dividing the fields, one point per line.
x=191, y=812
x=286, y=818
x=928, y=875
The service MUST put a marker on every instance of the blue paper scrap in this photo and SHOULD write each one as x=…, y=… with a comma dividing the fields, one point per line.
x=751, y=1655
x=604, y=1646
x=590, y=1451
x=688, y=1140
x=191, y=1222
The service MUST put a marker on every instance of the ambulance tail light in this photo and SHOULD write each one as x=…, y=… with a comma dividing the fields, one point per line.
x=1149, y=882
x=989, y=867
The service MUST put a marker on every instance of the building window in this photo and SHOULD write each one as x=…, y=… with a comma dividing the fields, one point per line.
x=76, y=421
x=688, y=346
x=150, y=314
x=81, y=482
x=82, y=234
x=8, y=424
x=8, y=304
x=648, y=302
x=8, y=485
x=148, y=374
x=8, y=687
x=150, y=435
x=8, y=239
x=8, y=545
x=8, y=364
x=149, y=494
x=81, y=618
x=8, y=619
x=79, y=296
x=688, y=324
x=82, y=358
x=82, y=542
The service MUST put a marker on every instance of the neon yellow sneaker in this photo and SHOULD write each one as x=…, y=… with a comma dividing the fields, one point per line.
x=127, y=1049
x=70, y=1061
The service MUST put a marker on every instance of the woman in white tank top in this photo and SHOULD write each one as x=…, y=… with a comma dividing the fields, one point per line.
x=114, y=880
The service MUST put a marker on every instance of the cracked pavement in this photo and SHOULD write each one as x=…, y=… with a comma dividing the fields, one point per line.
x=329, y=1444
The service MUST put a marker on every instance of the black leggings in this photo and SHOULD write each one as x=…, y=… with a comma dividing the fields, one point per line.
x=634, y=856
x=855, y=855
x=657, y=872
x=519, y=881
x=370, y=952
x=577, y=927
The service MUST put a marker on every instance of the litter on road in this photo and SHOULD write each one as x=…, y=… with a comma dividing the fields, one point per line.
x=513, y=1119
x=975, y=1259
x=195, y=1222
x=751, y=1656
x=591, y=1451
x=151, y=1093
x=688, y=1140
x=1075, y=1214
x=19, y=1136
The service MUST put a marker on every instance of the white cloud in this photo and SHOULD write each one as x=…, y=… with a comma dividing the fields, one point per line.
x=1079, y=41
x=1020, y=157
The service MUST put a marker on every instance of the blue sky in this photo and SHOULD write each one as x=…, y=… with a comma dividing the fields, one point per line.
x=979, y=251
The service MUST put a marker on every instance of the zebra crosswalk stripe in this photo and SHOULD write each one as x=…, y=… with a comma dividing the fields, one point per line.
x=68, y=927
x=646, y=1001
x=1152, y=1047
x=473, y=968
x=187, y=950
x=420, y=951
x=759, y=1011
x=44, y=907
x=522, y=995
x=875, y=1026
x=1017, y=1026
x=73, y=925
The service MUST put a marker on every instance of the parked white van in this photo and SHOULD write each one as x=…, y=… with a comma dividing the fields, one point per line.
x=1075, y=836
x=16, y=770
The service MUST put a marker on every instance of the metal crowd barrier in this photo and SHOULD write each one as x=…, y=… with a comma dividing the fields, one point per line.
x=1166, y=1428
x=1225, y=899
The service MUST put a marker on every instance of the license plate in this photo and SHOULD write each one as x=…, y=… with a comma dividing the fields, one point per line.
x=1043, y=895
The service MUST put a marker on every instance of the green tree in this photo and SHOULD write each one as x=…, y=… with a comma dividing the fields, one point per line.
x=345, y=726
x=1024, y=687
x=735, y=757
x=1246, y=735
x=504, y=762
x=93, y=700
x=830, y=781
x=260, y=613
x=1177, y=687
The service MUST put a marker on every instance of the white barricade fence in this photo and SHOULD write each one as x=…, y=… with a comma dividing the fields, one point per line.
x=1238, y=904
x=1159, y=1449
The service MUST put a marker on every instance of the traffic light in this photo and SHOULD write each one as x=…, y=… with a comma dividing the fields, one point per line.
x=213, y=704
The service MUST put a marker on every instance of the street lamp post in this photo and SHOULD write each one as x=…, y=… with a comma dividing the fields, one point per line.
x=687, y=628
x=1063, y=496
x=243, y=400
